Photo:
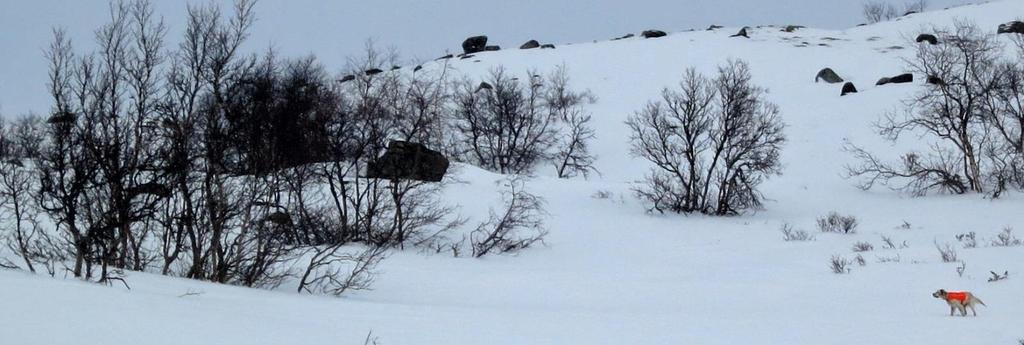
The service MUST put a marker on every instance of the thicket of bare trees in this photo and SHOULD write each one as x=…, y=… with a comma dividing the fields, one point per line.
x=202, y=161
x=971, y=110
x=509, y=124
x=712, y=142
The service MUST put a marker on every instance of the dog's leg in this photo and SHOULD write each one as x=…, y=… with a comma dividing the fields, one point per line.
x=973, y=311
x=951, y=309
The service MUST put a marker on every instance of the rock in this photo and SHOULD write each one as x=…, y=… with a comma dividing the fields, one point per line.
x=547, y=46
x=279, y=218
x=848, y=88
x=474, y=44
x=530, y=44
x=714, y=27
x=742, y=33
x=902, y=78
x=828, y=75
x=347, y=78
x=931, y=39
x=466, y=56
x=492, y=48
x=373, y=71
x=418, y=67
x=396, y=68
x=909, y=13
x=408, y=160
x=152, y=188
x=653, y=34
x=484, y=86
x=623, y=37
x=936, y=80
x=883, y=81
x=449, y=56
x=792, y=28
x=1014, y=27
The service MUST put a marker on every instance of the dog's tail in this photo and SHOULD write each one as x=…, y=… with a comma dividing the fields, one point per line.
x=980, y=302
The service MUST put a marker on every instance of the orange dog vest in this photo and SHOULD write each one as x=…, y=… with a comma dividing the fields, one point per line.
x=957, y=296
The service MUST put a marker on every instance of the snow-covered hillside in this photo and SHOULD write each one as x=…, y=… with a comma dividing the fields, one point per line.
x=612, y=273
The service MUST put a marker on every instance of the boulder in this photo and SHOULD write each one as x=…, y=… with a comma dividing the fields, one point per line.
x=449, y=56
x=373, y=71
x=623, y=37
x=714, y=27
x=902, y=78
x=792, y=28
x=279, y=218
x=347, y=78
x=1014, y=27
x=828, y=75
x=547, y=46
x=931, y=39
x=883, y=81
x=474, y=44
x=936, y=80
x=418, y=67
x=530, y=44
x=742, y=33
x=492, y=48
x=62, y=118
x=653, y=34
x=466, y=56
x=409, y=161
x=848, y=88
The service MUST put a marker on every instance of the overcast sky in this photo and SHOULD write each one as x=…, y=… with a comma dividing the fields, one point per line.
x=423, y=29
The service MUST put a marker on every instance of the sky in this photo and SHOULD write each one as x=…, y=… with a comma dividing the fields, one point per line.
x=417, y=29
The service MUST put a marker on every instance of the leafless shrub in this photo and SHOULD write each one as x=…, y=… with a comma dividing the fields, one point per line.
x=997, y=277
x=946, y=252
x=890, y=244
x=1006, y=239
x=602, y=194
x=519, y=225
x=791, y=235
x=839, y=264
x=859, y=259
x=508, y=126
x=877, y=11
x=977, y=146
x=335, y=269
x=915, y=6
x=888, y=259
x=712, y=142
x=969, y=240
x=961, y=269
x=863, y=247
x=905, y=226
x=836, y=223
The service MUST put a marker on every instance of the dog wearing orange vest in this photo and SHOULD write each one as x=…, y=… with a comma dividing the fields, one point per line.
x=959, y=300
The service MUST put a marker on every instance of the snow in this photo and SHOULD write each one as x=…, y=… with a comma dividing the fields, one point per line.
x=613, y=274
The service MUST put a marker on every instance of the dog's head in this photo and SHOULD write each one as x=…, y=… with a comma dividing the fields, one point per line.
x=939, y=294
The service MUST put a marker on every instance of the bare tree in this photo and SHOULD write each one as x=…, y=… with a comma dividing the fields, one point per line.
x=711, y=143
x=519, y=225
x=915, y=6
x=573, y=156
x=950, y=110
x=877, y=11
x=504, y=123
x=18, y=147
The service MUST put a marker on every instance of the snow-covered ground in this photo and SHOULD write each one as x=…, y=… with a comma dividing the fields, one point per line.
x=613, y=274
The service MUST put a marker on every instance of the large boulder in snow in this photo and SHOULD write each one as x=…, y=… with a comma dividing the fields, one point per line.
x=848, y=88
x=409, y=161
x=1014, y=27
x=474, y=44
x=653, y=34
x=828, y=75
x=931, y=39
x=530, y=44
x=900, y=79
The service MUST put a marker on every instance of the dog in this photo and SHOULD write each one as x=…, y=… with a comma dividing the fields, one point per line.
x=959, y=300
